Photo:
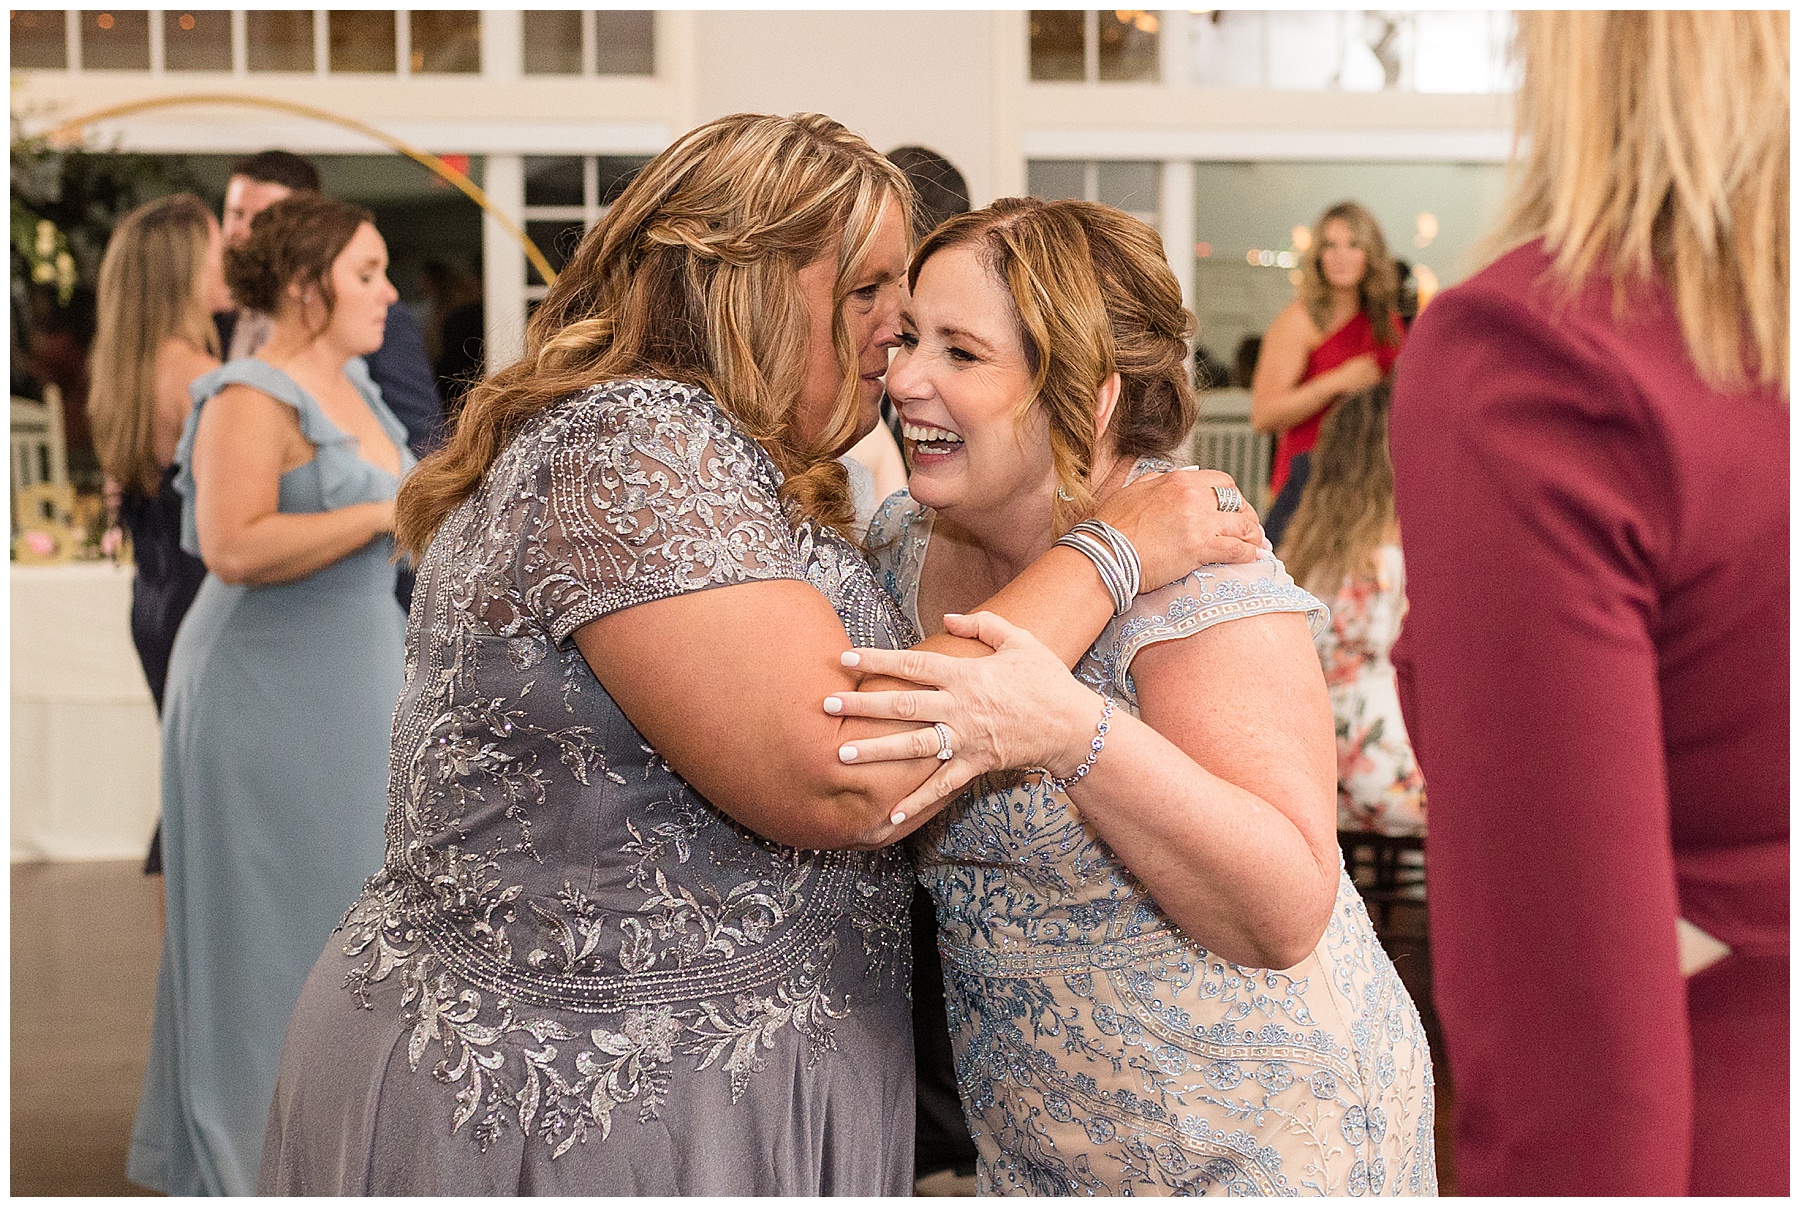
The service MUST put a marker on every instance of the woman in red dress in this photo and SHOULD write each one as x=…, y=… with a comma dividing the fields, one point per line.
x=1590, y=448
x=1339, y=336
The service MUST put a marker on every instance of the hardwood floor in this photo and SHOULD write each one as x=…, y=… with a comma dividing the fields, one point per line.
x=86, y=938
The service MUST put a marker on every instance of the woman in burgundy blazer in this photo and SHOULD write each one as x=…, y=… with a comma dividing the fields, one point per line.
x=1594, y=498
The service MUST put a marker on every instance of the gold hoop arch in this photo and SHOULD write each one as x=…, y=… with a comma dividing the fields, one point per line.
x=70, y=131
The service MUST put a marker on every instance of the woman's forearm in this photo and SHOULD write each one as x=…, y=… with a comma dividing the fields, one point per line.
x=1279, y=410
x=1059, y=599
x=281, y=547
x=1234, y=872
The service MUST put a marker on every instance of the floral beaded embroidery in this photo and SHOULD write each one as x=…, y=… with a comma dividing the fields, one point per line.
x=542, y=992
x=1098, y=1049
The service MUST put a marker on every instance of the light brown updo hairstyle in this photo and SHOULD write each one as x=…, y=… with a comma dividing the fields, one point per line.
x=1348, y=504
x=152, y=288
x=1093, y=296
x=690, y=277
x=294, y=241
x=1379, y=292
x=1653, y=146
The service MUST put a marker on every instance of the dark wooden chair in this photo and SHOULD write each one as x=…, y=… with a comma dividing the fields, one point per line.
x=1389, y=871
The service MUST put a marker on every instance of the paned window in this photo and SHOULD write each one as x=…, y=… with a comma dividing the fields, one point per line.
x=609, y=42
x=625, y=42
x=1352, y=50
x=1117, y=45
x=196, y=40
x=362, y=41
x=445, y=41
x=115, y=40
x=564, y=196
x=1134, y=186
x=279, y=40
x=552, y=40
x=40, y=39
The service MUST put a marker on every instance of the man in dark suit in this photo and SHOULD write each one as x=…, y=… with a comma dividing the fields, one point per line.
x=400, y=366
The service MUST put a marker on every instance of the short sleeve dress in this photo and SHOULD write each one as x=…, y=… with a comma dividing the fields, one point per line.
x=1380, y=788
x=574, y=975
x=1098, y=1049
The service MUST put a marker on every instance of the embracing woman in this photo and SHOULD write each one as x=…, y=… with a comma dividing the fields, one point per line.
x=1159, y=978
x=634, y=933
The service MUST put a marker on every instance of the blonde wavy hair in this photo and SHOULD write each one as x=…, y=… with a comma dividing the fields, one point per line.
x=151, y=289
x=1347, y=507
x=1093, y=295
x=1656, y=144
x=1378, y=293
x=690, y=276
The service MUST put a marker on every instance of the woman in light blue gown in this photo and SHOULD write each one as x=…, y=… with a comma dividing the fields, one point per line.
x=281, y=686
x=1159, y=979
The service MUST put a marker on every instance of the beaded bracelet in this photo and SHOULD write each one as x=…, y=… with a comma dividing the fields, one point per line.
x=1094, y=748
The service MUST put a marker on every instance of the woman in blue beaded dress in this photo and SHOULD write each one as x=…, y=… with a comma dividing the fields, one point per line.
x=636, y=931
x=1158, y=976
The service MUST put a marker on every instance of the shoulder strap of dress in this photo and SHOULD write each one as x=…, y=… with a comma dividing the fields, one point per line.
x=257, y=374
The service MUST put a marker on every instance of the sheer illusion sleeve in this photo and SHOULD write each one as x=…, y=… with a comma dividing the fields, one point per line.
x=1208, y=596
x=646, y=491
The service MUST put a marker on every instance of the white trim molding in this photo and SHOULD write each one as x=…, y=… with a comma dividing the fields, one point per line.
x=1463, y=146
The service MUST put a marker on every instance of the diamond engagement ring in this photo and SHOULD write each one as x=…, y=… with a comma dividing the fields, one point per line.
x=1229, y=498
x=944, y=754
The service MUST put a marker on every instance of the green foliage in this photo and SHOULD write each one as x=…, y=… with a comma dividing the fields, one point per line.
x=65, y=203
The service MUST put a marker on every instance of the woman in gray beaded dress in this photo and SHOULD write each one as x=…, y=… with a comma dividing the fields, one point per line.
x=1158, y=976
x=638, y=930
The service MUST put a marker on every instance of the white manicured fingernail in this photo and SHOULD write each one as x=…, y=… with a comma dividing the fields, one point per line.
x=897, y=818
x=847, y=753
x=833, y=704
x=850, y=658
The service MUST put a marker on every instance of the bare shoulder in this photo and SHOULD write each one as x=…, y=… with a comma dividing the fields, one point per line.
x=243, y=408
x=1295, y=325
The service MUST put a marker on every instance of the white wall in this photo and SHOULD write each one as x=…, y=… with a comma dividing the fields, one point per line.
x=893, y=77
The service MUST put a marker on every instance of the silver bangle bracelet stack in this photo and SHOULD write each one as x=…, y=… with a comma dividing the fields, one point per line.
x=1112, y=555
x=1094, y=747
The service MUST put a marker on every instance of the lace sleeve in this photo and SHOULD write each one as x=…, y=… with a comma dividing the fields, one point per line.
x=1208, y=596
x=646, y=490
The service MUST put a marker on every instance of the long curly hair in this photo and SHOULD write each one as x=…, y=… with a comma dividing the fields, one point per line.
x=690, y=277
x=1379, y=291
x=1347, y=508
x=1093, y=295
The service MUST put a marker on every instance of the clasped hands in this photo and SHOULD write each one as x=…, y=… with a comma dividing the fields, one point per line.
x=1016, y=708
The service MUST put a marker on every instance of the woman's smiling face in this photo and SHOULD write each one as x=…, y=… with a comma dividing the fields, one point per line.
x=957, y=380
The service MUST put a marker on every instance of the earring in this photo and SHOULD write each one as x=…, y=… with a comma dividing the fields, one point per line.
x=1064, y=495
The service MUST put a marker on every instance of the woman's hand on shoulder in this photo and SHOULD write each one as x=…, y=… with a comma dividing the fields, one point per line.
x=1174, y=522
x=1018, y=707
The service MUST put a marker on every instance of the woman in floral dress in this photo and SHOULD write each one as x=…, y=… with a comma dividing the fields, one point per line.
x=1159, y=978
x=1344, y=545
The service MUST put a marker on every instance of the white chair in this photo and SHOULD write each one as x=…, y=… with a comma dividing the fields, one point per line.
x=40, y=454
x=1223, y=439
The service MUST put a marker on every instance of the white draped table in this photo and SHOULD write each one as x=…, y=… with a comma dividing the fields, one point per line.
x=85, y=754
